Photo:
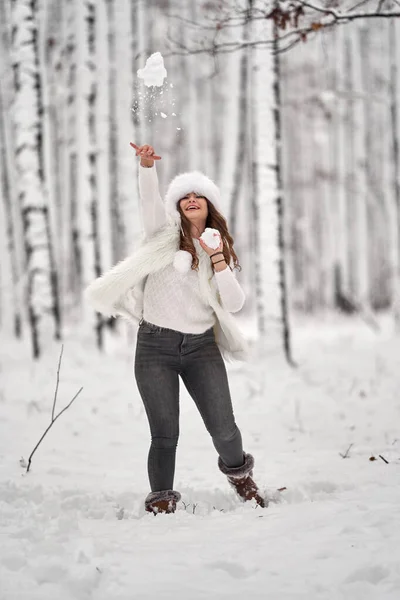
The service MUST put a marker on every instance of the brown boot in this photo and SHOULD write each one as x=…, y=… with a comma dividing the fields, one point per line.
x=240, y=478
x=163, y=501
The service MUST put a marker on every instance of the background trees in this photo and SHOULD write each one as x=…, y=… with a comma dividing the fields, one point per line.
x=71, y=102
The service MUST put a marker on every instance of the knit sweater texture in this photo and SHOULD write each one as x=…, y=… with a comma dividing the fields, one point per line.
x=173, y=299
x=120, y=290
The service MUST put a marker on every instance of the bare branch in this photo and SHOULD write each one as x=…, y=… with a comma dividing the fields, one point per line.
x=53, y=418
x=49, y=427
x=347, y=16
x=346, y=454
x=295, y=24
x=58, y=381
x=358, y=5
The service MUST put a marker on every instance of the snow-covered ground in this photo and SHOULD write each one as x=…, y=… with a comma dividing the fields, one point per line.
x=75, y=528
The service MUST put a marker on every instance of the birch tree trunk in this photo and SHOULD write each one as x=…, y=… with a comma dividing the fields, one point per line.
x=86, y=134
x=127, y=161
x=42, y=288
x=338, y=189
x=73, y=275
x=117, y=226
x=394, y=53
x=6, y=194
x=294, y=172
x=230, y=122
x=102, y=134
x=136, y=134
x=270, y=292
x=359, y=192
x=7, y=175
x=240, y=143
x=86, y=138
x=54, y=143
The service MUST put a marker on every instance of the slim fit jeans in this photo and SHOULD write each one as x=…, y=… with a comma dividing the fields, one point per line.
x=162, y=355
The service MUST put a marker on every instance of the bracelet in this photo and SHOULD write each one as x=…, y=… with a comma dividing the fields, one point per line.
x=217, y=261
x=215, y=254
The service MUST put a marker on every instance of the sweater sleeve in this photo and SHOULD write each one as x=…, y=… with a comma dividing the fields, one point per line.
x=152, y=206
x=230, y=290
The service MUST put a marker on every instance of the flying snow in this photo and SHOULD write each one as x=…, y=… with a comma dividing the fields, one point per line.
x=154, y=72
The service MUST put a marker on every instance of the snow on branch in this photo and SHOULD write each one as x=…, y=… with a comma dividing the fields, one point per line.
x=53, y=418
x=295, y=21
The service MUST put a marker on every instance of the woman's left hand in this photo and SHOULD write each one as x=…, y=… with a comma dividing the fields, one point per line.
x=211, y=251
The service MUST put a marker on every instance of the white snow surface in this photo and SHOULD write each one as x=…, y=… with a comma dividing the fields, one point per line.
x=211, y=237
x=154, y=72
x=74, y=528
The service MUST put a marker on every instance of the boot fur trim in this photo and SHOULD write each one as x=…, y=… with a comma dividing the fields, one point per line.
x=238, y=472
x=166, y=495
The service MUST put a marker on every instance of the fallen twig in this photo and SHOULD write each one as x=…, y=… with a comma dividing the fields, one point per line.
x=346, y=454
x=383, y=458
x=53, y=418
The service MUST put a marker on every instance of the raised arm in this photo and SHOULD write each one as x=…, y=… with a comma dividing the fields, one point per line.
x=152, y=206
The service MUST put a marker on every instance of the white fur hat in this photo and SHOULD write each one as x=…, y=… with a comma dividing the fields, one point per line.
x=183, y=184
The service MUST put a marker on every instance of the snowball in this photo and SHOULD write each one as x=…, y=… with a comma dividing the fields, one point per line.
x=164, y=116
x=154, y=72
x=211, y=237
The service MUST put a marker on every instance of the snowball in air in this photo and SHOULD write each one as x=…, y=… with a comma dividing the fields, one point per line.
x=211, y=237
x=154, y=72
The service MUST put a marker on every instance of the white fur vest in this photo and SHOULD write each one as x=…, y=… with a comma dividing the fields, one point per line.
x=119, y=292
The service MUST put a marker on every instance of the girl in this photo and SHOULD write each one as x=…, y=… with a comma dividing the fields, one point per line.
x=182, y=293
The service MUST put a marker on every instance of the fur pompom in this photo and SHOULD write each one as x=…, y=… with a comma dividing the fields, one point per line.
x=182, y=261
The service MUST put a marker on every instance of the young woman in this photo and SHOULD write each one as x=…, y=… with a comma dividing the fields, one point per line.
x=182, y=292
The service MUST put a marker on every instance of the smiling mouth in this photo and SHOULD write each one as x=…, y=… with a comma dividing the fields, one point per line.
x=193, y=208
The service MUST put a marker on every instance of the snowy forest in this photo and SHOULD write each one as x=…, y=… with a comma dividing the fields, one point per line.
x=292, y=107
x=301, y=133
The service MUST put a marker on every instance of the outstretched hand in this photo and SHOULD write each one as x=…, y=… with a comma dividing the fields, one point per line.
x=146, y=153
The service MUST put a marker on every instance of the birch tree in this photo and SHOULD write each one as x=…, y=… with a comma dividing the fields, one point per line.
x=42, y=289
x=7, y=175
x=117, y=226
x=86, y=134
x=73, y=272
x=7, y=199
x=86, y=139
x=358, y=196
x=394, y=53
x=242, y=127
x=272, y=307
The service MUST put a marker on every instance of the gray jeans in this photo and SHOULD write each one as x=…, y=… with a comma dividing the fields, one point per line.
x=162, y=355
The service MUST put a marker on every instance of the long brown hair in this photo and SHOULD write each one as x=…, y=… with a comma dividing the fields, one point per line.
x=216, y=221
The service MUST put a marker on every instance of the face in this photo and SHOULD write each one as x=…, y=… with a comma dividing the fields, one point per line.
x=194, y=206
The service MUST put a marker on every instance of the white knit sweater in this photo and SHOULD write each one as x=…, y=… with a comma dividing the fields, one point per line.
x=172, y=299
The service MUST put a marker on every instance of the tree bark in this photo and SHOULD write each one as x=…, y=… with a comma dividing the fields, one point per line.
x=42, y=283
x=117, y=226
x=271, y=289
x=6, y=194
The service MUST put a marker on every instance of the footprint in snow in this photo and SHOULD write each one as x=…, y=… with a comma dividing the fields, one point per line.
x=373, y=574
x=232, y=568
